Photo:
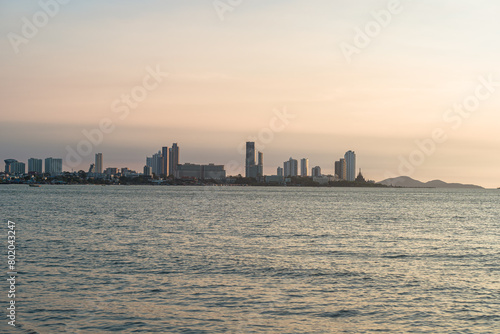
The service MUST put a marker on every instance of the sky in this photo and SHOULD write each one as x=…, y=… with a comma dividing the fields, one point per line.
x=410, y=86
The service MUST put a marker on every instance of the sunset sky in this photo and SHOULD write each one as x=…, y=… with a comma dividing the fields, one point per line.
x=227, y=77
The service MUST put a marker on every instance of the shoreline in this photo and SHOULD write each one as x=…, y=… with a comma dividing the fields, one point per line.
x=377, y=186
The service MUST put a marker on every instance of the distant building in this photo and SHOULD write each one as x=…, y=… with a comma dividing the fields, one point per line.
x=165, y=152
x=341, y=169
x=360, y=177
x=157, y=164
x=261, y=164
x=250, y=166
x=98, y=163
x=279, y=172
x=53, y=166
x=290, y=167
x=147, y=171
x=250, y=158
x=92, y=169
x=254, y=171
x=316, y=171
x=173, y=158
x=323, y=179
x=111, y=171
x=350, y=159
x=188, y=170
x=304, y=167
x=127, y=172
x=35, y=166
x=8, y=163
x=275, y=179
x=212, y=171
x=201, y=172
x=17, y=168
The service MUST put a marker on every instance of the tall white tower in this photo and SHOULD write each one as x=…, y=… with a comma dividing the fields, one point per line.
x=350, y=160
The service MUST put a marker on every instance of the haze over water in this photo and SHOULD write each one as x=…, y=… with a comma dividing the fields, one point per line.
x=98, y=259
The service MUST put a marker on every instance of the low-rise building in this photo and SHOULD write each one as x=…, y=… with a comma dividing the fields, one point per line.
x=275, y=179
x=324, y=179
x=201, y=172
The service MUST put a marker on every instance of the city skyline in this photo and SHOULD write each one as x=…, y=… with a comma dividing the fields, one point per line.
x=155, y=165
x=405, y=93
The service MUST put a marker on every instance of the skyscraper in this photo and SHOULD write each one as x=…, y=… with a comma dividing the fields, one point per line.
x=316, y=171
x=350, y=160
x=17, y=168
x=48, y=166
x=8, y=163
x=53, y=166
x=290, y=167
x=35, y=166
x=340, y=169
x=98, y=163
x=157, y=164
x=279, y=172
x=166, y=166
x=304, y=167
x=173, y=158
x=250, y=159
x=261, y=164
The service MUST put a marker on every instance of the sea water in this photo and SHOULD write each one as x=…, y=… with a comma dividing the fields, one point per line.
x=132, y=259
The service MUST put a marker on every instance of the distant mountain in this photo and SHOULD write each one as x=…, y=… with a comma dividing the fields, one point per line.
x=408, y=182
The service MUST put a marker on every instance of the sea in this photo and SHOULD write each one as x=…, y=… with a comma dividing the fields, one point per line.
x=187, y=259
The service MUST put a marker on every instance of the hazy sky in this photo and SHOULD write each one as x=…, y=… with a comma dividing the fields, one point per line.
x=226, y=79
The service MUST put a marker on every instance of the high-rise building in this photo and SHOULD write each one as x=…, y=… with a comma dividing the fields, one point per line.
x=92, y=168
x=350, y=160
x=53, y=166
x=279, y=172
x=261, y=164
x=57, y=166
x=17, y=168
x=304, y=167
x=290, y=167
x=157, y=164
x=147, y=171
x=8, y=163
x=316, y=171
x=340, y=169
x=252, y=168
x=166, y=166
x=173, y=158
x=35, y=166
x=98, y=163
x=250, y=159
